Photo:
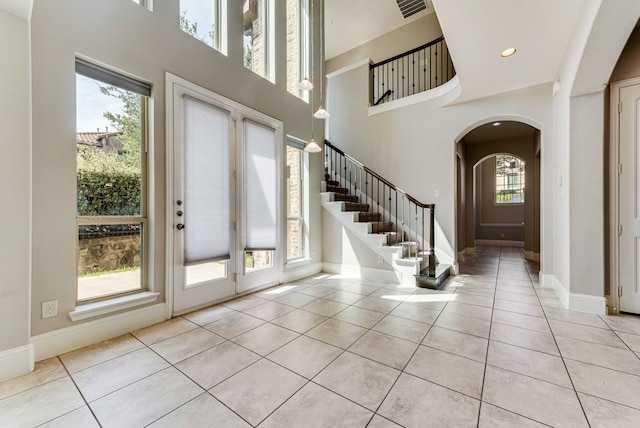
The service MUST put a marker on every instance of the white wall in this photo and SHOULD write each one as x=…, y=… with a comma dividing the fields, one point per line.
x=400, y=40
x=343, y=247
x=15, y=188
x=587, y=194
x=414, y=146
x=126, y=36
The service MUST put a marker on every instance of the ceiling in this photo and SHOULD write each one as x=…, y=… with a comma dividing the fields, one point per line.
x=506, y=130
x=476, y=32
x=351, y=23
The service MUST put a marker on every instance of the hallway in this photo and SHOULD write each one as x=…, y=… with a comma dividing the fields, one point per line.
x=490, y=349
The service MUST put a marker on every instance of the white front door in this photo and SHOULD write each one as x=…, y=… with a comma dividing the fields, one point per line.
x=203, y=201
x=629, y=198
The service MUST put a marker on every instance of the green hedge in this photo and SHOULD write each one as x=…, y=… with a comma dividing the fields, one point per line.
x=101, y=194
x=108, y=184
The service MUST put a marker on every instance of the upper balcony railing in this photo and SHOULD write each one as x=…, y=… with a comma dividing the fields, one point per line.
x=418, y=70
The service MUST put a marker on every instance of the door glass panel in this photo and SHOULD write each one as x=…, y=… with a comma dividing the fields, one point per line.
x=257, y=260
x=206, y=271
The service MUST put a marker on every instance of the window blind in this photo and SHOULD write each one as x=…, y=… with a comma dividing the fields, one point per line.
x=112, y=78
x=207, y=210
x=294, y=142
x=260, y=186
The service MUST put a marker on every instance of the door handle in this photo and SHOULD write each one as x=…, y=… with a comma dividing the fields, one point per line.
x=179, y=226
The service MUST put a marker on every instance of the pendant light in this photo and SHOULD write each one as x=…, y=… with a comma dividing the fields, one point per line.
x=321, y=113
x=305, y=85
x=312, y=146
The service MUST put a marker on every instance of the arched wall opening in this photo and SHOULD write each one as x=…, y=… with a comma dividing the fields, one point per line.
x=483, y=219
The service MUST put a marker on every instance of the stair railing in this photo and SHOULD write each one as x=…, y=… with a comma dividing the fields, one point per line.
x=408, y=216
x=417, y=70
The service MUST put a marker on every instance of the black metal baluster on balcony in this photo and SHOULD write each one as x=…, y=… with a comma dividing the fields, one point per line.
x=423, y=249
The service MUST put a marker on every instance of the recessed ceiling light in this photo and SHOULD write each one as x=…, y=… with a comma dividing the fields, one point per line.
x=497, y=123
x=508, y=52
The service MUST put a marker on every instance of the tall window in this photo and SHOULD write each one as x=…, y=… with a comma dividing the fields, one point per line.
x=297, y=46
x=257, y=26
x=509, y=179
x=295, y=195
x=111, y=182
x=206, y=21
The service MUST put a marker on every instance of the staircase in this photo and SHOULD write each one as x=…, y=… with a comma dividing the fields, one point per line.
x=392, y=223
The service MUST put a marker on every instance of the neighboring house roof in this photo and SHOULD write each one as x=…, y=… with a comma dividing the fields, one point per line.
x=107, y=142
x=95, y=139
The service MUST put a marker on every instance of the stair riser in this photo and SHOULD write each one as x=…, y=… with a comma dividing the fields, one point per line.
x=356, y=207
x=366, y=217
x=381, y=227
x=345, y=198
x=336, y=189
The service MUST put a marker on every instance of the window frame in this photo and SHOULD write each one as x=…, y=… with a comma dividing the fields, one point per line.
x=147, y=4
x=107, y=76
x=267, y=14
x=304, y=48
x=298, y=144
x=505, y=182
x=219, y=26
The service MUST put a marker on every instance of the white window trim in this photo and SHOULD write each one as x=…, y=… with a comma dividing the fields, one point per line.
x=104, y=307
x=102, y=73
x=304, y=165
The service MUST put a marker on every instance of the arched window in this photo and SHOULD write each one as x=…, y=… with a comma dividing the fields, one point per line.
x=509, y=180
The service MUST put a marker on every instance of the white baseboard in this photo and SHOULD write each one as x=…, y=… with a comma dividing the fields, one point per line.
x=300, y=272
x=574, y=301
x=546, y=280
x=561, y=292
x=16, y=362
x=58, y=342
x=362, y=272
x=586, y=303
x=499, y=243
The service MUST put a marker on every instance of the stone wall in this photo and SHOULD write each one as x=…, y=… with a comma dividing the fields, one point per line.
x=108, y=253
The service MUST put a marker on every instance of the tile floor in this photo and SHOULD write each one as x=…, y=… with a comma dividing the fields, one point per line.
x=491, y=349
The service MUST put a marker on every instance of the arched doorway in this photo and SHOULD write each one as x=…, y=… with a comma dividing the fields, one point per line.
x=498, y=188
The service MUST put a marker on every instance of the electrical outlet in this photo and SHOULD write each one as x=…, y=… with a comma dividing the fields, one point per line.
x=436, y=193
x=380, y=259
x=50, y=309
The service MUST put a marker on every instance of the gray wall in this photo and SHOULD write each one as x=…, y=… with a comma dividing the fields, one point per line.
x=144, y=44
x=15, y=153
x=586, y=196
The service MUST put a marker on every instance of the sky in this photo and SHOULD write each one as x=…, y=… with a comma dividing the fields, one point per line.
x=199, y=12
x=91, y=105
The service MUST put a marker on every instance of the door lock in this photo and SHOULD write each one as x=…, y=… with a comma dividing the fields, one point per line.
x=179, y=213
x=179, y=226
